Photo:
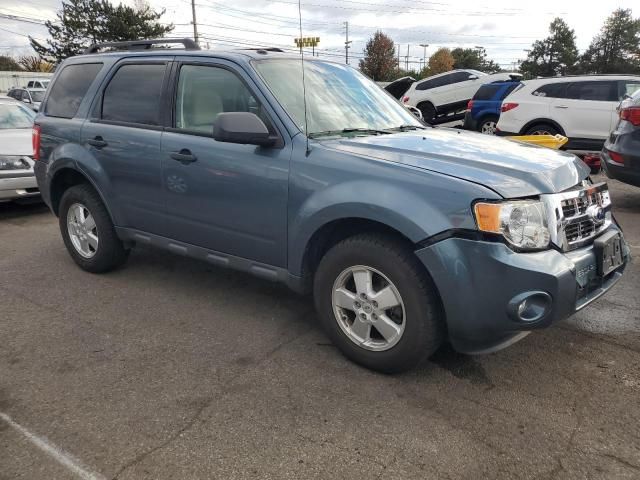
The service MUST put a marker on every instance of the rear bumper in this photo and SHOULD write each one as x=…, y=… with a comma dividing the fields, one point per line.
x=14, y=188
x=625, y=173
x=481, y=285
x=469, y=122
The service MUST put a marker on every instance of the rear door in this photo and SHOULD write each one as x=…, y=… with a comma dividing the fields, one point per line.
x=588, y=109
x=123, y=134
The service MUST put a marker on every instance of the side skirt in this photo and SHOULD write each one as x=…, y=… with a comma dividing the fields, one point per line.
x=267, y=272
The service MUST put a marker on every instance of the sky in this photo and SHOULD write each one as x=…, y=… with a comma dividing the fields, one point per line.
x=505, y=31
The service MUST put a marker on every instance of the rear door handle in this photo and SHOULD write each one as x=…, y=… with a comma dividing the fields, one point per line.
x=184, y=156
x=561, y=106
x=97, y=142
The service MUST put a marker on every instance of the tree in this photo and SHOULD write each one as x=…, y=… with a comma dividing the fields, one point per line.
x=84, y=22
x=31, y=63
x=8, y=63
x=475, y=58
x=617, y=48
x=441, y=61
x=555, y=55
x=379, y=60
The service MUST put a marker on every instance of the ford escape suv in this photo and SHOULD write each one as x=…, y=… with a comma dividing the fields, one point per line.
x=407, y=235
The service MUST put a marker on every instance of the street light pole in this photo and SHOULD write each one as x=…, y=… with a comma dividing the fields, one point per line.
x=424, y=54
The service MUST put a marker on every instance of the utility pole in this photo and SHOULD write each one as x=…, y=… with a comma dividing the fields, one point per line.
x=398, y=49
x=424, y=54
x=195, y=24
x=346, y=43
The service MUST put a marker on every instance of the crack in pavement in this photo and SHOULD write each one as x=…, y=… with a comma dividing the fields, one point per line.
x=191, y=422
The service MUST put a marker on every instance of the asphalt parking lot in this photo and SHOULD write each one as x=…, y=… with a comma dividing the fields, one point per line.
x=172, y=369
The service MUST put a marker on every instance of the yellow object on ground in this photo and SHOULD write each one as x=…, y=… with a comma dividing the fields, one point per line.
x=549, y=141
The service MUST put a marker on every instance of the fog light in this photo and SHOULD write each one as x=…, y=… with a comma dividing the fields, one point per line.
x=529, y=307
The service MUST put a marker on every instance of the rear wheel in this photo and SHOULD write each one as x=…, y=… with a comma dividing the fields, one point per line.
x=488, y=124
x=87, y=231
x=542, y=129
x=377, y=304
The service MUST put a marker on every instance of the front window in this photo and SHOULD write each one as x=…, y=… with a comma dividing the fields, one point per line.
x=338, y=98
x=15, y=116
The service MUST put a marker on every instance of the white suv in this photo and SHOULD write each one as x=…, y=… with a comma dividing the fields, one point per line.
x=580, y=108
x=448, y=93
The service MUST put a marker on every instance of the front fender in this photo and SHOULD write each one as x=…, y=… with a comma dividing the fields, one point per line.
x=405, y=210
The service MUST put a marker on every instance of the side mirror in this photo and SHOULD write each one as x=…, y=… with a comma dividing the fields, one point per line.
x=26, y=100
x=473, y=77
x=241, y=127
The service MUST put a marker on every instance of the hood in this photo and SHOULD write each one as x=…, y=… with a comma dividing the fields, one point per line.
x=512, y=169
x=16, y=141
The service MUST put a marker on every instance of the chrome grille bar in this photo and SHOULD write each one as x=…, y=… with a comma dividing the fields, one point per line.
x=578, y=215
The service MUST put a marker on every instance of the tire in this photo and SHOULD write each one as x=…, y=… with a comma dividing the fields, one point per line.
x=428, y=111
x=95, y=256
x=487, y=125
x=542, y=129
x=418, y=316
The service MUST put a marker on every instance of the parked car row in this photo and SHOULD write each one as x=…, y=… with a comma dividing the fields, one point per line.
x=17, y=180
x=30, y=96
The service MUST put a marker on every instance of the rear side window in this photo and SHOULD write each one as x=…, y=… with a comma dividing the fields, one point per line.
x=426, y=85
x=552, y=90
x=486, y=92
x=606, y=91
x=459, y=77
x=133, y=94
x=70, y=88
x=628, y=88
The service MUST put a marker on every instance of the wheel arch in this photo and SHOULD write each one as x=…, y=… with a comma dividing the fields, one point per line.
x=67, y=177
x=539, y=121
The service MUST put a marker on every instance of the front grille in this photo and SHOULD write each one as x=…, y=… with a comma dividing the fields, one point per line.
x=579, y=215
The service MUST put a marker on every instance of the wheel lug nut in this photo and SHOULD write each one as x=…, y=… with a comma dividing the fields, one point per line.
x=374, y=316
x=375, y=304
x=363, y=316
x=357, y=305
x=363, y=296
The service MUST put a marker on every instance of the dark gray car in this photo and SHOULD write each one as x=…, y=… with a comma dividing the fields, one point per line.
x=621, y=153
x=407, y=235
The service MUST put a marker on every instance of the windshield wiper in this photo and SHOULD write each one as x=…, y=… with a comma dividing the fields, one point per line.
x=366, y=131
x=406, y=128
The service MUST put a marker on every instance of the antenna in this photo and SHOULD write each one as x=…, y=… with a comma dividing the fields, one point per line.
x=304, y=87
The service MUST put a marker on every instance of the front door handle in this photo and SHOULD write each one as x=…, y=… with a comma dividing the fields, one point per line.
x=561, y=106
x=97, y=142
x=184, y=156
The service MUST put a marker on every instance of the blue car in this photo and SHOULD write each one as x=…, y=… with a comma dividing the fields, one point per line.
x=483, y=109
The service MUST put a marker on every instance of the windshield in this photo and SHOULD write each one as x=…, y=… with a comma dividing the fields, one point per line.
x=15, y=116
x=338, y=97
x=37, y=96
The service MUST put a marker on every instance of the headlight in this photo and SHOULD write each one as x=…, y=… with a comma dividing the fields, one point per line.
x=523, y=223
x=12, y=162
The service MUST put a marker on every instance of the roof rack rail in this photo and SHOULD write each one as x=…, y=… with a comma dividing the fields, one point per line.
x=265, y=49
x=142, y=44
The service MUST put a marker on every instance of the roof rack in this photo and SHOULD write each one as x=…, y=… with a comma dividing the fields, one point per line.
x=142, y=44
x=267, y=49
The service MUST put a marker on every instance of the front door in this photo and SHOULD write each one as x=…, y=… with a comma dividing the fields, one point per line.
x=123, y=135
x=225, y=197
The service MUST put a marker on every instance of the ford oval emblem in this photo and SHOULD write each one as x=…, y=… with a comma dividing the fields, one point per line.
x=596, y=213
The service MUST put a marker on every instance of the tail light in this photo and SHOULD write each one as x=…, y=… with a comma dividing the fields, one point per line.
x=405, y=99
x=616, y=157
x=470, y=105
x=35, y=141
x=508, y=106
x=631, y=114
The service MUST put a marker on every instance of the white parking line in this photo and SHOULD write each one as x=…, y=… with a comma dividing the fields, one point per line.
x=63, y=458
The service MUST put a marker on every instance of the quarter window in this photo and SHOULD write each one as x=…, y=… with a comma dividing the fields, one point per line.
x=204, y=92
x=70, y=88
x=628, y=88
x=133, y=94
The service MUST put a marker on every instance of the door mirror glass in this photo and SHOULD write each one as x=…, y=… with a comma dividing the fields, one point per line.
x=241, y=127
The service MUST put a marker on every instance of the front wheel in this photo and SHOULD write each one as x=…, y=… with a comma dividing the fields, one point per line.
x=377, y=303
